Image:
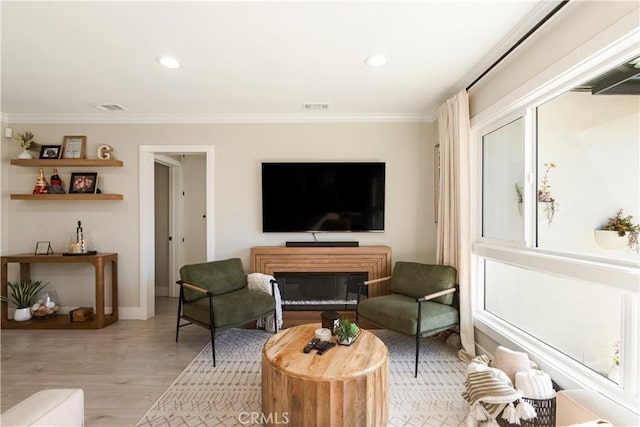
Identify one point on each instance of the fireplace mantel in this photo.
(375, 260)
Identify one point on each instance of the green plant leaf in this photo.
(23, 292)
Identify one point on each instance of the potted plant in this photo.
(346, 331)
(21, 295)
(612, 233)
(27, 144)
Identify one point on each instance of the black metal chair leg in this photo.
(275, 310)
(179, 312)
(212, 328)
(275, 321)
(415, 375)
(213, 345)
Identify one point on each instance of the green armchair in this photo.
(215, 295)
(420, 303)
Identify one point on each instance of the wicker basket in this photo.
(545, 410)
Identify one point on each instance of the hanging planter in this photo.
(609, 239)
(550, 205)
(619, 232)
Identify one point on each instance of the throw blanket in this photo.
(262, 282)
(535, 384)
(489, 392)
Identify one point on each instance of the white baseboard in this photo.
(130, 313)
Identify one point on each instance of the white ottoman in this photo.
(62, 407)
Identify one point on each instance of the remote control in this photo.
(326, 348)
(322, 345)
(311, 345)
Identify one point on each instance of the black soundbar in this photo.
(346, 244)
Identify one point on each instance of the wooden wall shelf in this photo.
(73, 196)
(66, 162)
(58, 163)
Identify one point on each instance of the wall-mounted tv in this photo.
(320, 196)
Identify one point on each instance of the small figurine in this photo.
(42, 186)
(56, 184)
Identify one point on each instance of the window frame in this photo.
(618, 274)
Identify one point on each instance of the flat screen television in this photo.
(320, 196)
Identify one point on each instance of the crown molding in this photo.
(127, 118)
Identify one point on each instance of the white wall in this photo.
(407, 149)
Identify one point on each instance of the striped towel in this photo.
(488, 392)
(535, 384)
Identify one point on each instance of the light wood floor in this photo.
(123, 368)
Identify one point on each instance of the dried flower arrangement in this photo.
(26, 141)
(544, 194)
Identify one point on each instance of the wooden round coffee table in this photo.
(346, 386)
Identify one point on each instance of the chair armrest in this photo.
(273, 282)
(366, 284)
(381, 279)
(436, 295)
(194, 288)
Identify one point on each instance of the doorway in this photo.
(147, 160)
(180, 234)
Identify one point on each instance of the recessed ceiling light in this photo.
(168, 61)
(376, 61)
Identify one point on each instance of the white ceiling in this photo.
(248, 61)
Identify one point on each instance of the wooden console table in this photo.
(346, 386)
(100, 319)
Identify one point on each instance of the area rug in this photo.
(230, 394)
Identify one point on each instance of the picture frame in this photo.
(83, 182)
(50, 151)
(74, 147)
(43, 248)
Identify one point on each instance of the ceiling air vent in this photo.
(110, 107)
(315, 106)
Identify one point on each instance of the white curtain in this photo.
(454, 215)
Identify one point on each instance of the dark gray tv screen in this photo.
(318, 197)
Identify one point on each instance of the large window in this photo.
(548, 281)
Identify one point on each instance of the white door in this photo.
(195, 209)
(162, 229)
